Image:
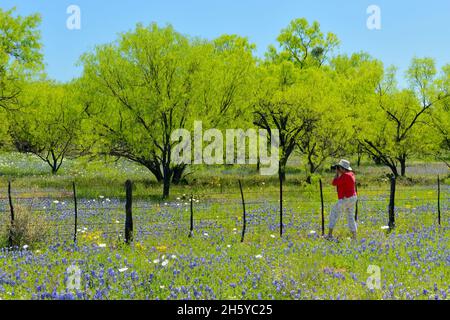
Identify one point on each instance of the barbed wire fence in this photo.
(259, 213)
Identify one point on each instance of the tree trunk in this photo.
(402, 161)
(166, 180)
(54, 164)
(360, 153)
(282, 169)
(177, 175)
(155, 169)
(394, 170)
(377, 160)
(311, 169)
(308, 178)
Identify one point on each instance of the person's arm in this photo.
(337, 179)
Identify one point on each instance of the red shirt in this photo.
(345, 185)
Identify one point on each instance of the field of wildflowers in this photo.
(163, 263)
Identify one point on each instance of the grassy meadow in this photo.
(163, 263)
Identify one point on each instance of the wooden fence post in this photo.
(322, 207)
(76, 213)
(128, 212)
(439, 200)
(244, 217)
(191, 228)
(11, 207)
(356, 205)
(392, 205)
(281, 201)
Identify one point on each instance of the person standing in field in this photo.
(345, 183)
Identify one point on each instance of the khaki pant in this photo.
(346, 205)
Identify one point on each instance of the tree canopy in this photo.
(134, 92)
(154, 80)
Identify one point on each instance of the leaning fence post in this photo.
(356, 205)
(392, 204)
(439, 199)
(191, 228)
(76, 212)
(244, 217)
(322, 207)
(128, 211)
(281, 201)
(11, 207)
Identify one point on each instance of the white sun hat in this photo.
(345, 164)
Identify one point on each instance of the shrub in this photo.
(28, 228)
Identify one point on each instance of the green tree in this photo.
(396, 128)
(19, 53)
(328, 129)
(439, 124)
(20, 58)
(154, 80)
(224, 83)
(356, 77)
(302, 46)
(47, 123)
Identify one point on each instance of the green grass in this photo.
(107, 176)
(214, 264)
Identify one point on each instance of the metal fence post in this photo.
(76, 213)
(439, 199)
(11, 207)
(244, 217)
(322, 207)
(128, 212)
(191, 228)
(392, 205)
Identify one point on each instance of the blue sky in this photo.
(409, 27)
